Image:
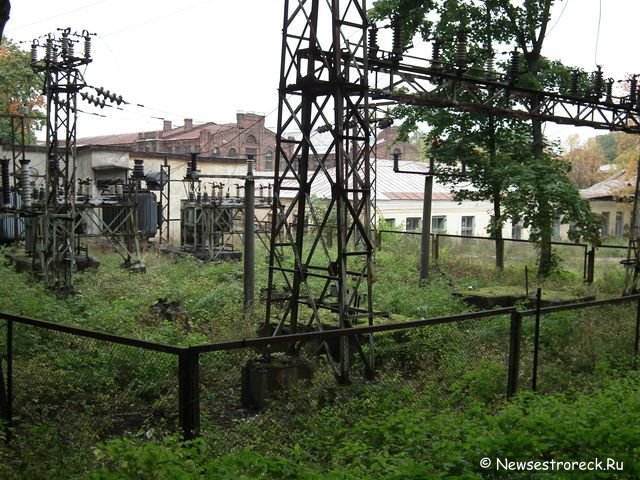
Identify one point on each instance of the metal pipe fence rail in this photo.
(94, 383)
(580, 258)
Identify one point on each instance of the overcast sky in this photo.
(206, 60)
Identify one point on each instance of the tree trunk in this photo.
(497, 231)
(545, 263)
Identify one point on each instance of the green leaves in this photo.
(19, 92)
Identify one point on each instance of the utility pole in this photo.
(249, 239)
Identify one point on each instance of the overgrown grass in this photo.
(429, 415)
(394, 434)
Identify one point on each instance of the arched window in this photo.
(268, 160)
(233, 153)
(215, 152)
(251, 140)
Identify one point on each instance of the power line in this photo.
(595, 54)
(62, 14)
(559, 17)
(153, 20)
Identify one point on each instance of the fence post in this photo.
(591, 263)
(515, 337)
(189, 393)
(436, 248)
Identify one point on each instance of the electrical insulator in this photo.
(373, 42)
(514, 66)
(461, 50)
(138, 169)
(633, 89)
(575, 79)
(99, 90)
(70, 50)
(49, 55)
(490, 65)
(25, 183)
(87, 46)
(609, 88)
(598, 82)
(6, 185)
(64, 41)
(435, 54)
(397, 48)
(34, 52)
(193, 164)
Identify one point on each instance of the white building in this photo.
(400, 198)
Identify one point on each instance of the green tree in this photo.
(494, 146)
(585, 160)
(20, 89)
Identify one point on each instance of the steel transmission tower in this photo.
(56, 227)
(323, 88)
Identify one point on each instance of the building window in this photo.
(466, 226)
(251, 140)
(619, 224)
(439, 224)
(268, 160)
(555, 233)
(391, 222)
(233, 153)
(215, 152)
(605, 224)
(516, 230)
(413, 224)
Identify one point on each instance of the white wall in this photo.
(400, 210)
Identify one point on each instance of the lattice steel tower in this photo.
(57, 223)
(323, 88)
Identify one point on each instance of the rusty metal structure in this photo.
(334, 77)
(55, 230)
(323, 87)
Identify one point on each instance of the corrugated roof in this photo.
(611, 187)
(389, 185)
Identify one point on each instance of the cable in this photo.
(595, 54)
(171, 14)
(56, 16)
(559, 17)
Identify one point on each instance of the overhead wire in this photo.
(62, 14)
(595, 54)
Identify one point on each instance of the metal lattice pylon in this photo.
(56, 229)
(323, 87)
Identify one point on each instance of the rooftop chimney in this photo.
(188, 123)
(166, 125)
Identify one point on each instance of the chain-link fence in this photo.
(481, 251)
(89, 385)
(578, 344)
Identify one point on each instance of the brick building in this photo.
(248, 135)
